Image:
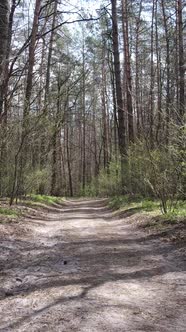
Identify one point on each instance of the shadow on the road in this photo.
(98, 260)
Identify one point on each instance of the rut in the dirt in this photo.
(78, 269)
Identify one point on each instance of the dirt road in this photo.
(77, 269)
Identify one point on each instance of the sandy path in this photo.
(79, 270)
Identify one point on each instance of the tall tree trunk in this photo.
(128, 79)
(4, 17)
(27, 100)
(31, 62)
(168, 96)
(104, 108)
(4, 21)
(181, 61)
(158, 76)
(50, 50)
(151, 93)
(119, 98)
(47, 81)
(69, 161)
(84, 121)
(113, 87)
(137, 86)
(7, 74)
(55, 183)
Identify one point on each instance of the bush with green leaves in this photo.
(37, 182)
(109, 181)
(158, 173)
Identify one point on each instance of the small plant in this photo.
(149, 205)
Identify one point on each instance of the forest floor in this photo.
(80, 268)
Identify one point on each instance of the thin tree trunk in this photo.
(84, 122)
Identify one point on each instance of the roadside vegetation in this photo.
(14, 212)
(148, 205)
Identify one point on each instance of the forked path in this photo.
(77, 269)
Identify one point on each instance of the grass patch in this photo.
(43, 199)
(170, 226)
(9, 212)
(128, 202)
(179, 212)
(148, 205)
(8, 215)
